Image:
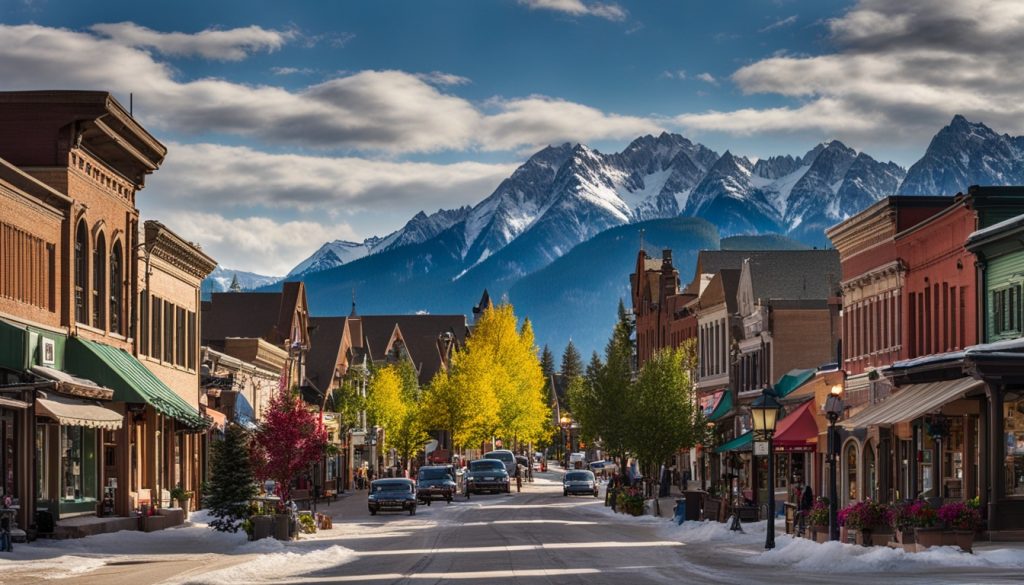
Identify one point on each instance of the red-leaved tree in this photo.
(290, 439)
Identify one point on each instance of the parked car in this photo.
(486, 475)
(394, 494)
(505, 456)
(436, 481)
(605, 466)
(579, 482)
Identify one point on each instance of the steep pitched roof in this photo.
(242, 314)
(326, 338)
(722, 288)
(378, 333)
(420, 334)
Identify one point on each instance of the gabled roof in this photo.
(379, 333)
(252, 314)
(722, 288)
(326, 338)
(421, 336)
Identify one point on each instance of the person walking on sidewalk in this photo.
(519, 478)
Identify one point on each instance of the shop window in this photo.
(78, 459)
(116, 288)
(851, 472)
(782, 470)
(8, 454)
(1013, 424)
(870, 472)
(42, 464)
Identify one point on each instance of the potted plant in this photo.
(817, 520)
(869, 520)
(631, 501)
(182, 496)
(963, 519)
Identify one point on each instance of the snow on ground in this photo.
(266, 559)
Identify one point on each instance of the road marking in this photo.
(518, 548)
(449, 576)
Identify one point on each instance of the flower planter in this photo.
(879, 536)
(282, 527)
(819, 533)
(964, 539)
(262, 526)
(711, 509)
(930, 536)
(906, 536)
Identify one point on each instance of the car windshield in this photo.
(485, 465)
(436, 473)
(578, 476)
(503, 456)
(391, 486)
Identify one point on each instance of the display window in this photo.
(1013, 425)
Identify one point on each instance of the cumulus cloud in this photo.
(579, 8)
(292, 70)
(257, 244)
(779, 24)
(229, 178)
(707, 78)
(389, 111)
(899, 70)
(222, 45)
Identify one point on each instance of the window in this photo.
(179, 334)
(1006, 310)
(99, 284)
(168, 332)
(78, 458)
(157, 335)
(192, 341)
(1013, 425)
(144, 323)
(81, 270)
(116, 288)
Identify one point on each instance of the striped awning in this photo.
(911, 402)
(73, 412)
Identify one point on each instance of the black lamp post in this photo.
(833, 409)
(563, 423)
(764, 413)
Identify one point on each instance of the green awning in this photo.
(792, 380)
(724, 406)
(13, 344)
(740, 443)
(130, 380)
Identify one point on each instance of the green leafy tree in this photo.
(611, 389)
(232, 482)
(661, 411)
(593, 368)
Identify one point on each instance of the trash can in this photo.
(680, 510)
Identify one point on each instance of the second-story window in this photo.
(116, 288)
(1006, 310)
(81, 271)
(99, 282)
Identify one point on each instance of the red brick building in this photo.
(665, 316)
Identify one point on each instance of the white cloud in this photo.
(707, 78)
(292, 70)
(222, 45)
(257, 244)
(899, 70)
(609, 11)
(442, 78)
(388, 111)
(678, 74)
(779, 24)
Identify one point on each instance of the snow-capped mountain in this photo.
(733, 198)
(964, 154)
(221, 278)
(420, 228)
(334, 254)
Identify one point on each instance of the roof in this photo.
(420, 333)
(722, 289)
(326, 335)
(795, 274)
(995, 231)
(378, 331)
(242, 314)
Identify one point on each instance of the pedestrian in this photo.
(807, 501)
(519, 478)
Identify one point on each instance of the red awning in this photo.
(798, 431)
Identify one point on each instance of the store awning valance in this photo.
(911, 402)
(723, 408)
(73, 412)
(740, 443)
(130, 380)
(69, 384)
(798, 431)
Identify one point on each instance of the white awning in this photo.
(78, 413)
(74, 385)
(911, 402)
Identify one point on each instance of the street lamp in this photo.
(765, 413)
(833, 410)
(563, 423)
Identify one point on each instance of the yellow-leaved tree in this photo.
(385, 404)
(460, 401)
(394, 403)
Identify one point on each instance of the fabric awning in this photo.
(911, 402)
(73, 412)
(723, 408)
(13, 403)
(130, 380)
(73, 385)
(220, 420)
(792, 380)
(740, 443)
(798, 431)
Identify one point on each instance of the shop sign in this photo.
(760, 447)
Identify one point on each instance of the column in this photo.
(995, 452)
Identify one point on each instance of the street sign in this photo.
(760, 447)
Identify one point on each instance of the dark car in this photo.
(436, 481)
(394, 494)
(486, 475)
(579, 482)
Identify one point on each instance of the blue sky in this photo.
(292, 123)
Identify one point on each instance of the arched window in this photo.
(851, 472)
(81, 271)
(116, 288)
(99, 283)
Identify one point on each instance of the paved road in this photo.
(535, 537)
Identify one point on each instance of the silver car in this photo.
(579, 482)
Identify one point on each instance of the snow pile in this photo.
(710, 531)
(272, 567)
(834, 557)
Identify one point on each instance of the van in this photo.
(506, 457)
(577, 460)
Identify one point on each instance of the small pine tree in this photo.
(572, 365)
(231, 484)
(547, 363)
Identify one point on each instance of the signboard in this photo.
(760, 447)
(431, 445)
(708, 402)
